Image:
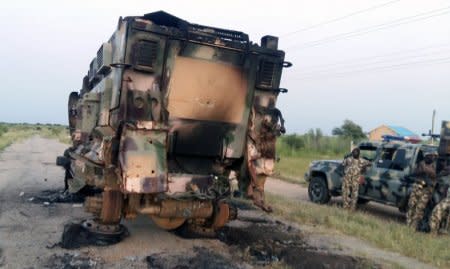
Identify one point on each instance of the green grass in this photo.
(293, 168)
(12, 136)
(387, 235)
(297, 151)
(10, 133)
(60, 133)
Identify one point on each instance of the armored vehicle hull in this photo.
(171, 117)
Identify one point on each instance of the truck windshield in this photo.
(393, 158)
(368, 153)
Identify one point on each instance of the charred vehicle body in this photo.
(170, 117)
(390, 178)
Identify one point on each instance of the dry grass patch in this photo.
(12, 136)
(388, 235)
(10, 133)
(293, 168)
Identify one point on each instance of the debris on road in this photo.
(56, 196)
(76, 235)
(71, 261)
(202, 258)
(272, 242)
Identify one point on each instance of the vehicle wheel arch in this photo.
(325, 176)
(315, 179)
(320, 174)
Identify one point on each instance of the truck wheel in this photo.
(318, 191)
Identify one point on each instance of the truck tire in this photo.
(318, 191)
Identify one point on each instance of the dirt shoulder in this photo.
(300, 193)
(322, 237)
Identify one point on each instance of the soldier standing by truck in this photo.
(442, 209)
(422, 189)
(353, 167)
(439, 212)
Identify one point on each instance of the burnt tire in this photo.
(75, 235)
(318, 191)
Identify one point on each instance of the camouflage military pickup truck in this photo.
(388, 180)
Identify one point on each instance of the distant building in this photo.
(377, 133)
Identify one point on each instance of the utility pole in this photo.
(432, 126)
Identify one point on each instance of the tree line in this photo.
(315, 142)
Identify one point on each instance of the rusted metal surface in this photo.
(112, 207)
(179, 209)
(187, 209)
(143, 161)
(168, 223)
(222, 215)
(93, 204)
(205, 90)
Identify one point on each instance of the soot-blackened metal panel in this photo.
(200, 138)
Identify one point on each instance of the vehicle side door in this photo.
(383, 182)
(370, 153)
(395, 184)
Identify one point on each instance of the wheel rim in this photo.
(316, 191)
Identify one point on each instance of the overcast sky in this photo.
(374, 62)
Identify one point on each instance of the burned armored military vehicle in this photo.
(170, 117)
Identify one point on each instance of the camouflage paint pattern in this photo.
(444, 141)
(418, 200)
(422, 192)
(440, 216)
(172, 110)
(384, 185)
(440, 213)
(353, 169)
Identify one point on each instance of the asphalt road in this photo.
(27, 229)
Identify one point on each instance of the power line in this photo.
(374, 28)
(378, 29)
(395, 53)
(409, 57)
(340, 18)
(380, 68)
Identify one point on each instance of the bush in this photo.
(312, 143)
(294, 141)
(3, 129)
(55, 131)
